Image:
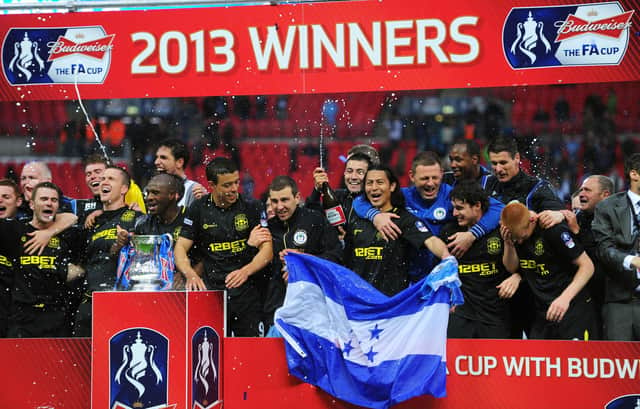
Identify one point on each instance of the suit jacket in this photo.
(612, 230)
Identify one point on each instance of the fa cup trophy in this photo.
(146, 264)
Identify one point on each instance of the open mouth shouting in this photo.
(48, 214)
(105, 191)
(376, 198)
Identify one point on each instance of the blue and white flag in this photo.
(360, 345)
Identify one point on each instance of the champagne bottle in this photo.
(332, 208)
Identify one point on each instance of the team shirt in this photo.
(546, 262)
(84, 207)
(221, 235)
(480, 270)
(39, 280)
(307, 231)
(384, 264)
(100, 265)
(435, 214)
(529, 190)
(152, 224)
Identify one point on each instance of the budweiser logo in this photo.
(609, 27)
(63, 47)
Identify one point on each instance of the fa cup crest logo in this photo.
(26, 58)
(138, 364)
(205, 345)
(62, 55)
(527, 37)
(591, 34)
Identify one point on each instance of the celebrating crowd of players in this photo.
(528, 266)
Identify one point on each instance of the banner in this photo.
(509, 374)
(380, 45)
(500, 374)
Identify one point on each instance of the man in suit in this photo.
(616, 227)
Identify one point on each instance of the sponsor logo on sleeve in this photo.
(567, 240)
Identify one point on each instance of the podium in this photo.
(157, 350)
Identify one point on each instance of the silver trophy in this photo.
(144, 274)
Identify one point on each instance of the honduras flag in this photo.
(360, 345)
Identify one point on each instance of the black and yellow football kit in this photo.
(100, 265)
(384, 264)
(546, 263)
(221, 235)
(39, 294)
(484, 314)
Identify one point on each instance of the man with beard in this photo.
(486, 284)
(101, 252)
(172, 157)
(223, 225)
(38, 306)
(428, 199)
(294, 229)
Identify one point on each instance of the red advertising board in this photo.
(54, 374)
(482, 374)
(377, 45)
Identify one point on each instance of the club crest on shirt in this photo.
(54, 243)
(494, 246)
(241, 222)
(538, 248)
(128, 216)
(440, 213)
(176, 233)
(300, 237)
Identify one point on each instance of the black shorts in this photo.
(244, 312)
(579, 323)
(463, 327)
(27, 321)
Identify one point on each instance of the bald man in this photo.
(35, 172)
